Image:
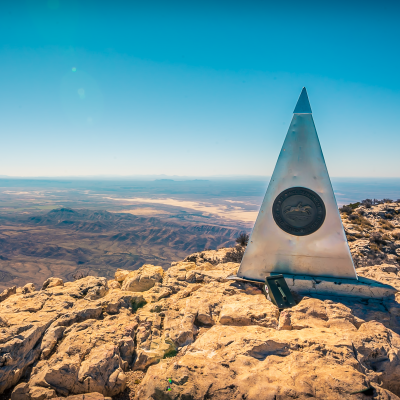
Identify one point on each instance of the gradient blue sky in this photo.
(195, 88)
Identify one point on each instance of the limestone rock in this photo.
(6, 293)
(113, 284)
(242, 310)
(121, 274)
(203, 336)
(384, 273)
(91, 357)
(41, 393)
(152, 345)
(143, 279)
(86, 396)
(32, 325)
(182, 273)
(20, 392)
(156, 293)
(28, 288)
(52, 282)
(315, 313)
(236, 363)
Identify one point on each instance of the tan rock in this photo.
(87, 396)
(50, 339)
(143, 279)
(182, 273)
(230, 362)
(378, 351)
(244, 310)
(384, 273)
(121, 274)
(315, 313)
(212, 304)
(33, 323)
(21, 392)
(6, 293)
(152, 345)
(52, 282)
(107, 346)
(28, 288)
(113, 284)
(41, 393)
(156, 293)
(213, 338)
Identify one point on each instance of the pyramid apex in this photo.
(303, 104)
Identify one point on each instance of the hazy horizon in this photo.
(198, 177)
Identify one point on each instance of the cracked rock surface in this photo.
(189, 333)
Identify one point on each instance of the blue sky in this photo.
(195, 88)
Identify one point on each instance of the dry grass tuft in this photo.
(386, 225)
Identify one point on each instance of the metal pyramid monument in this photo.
(298, 230)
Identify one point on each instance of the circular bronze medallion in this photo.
(299, 211)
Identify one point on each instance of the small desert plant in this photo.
(171, 353)
(235, 255)
(386, 237)
(346, 209)
(242, 239)
(360, 220)
(387, 201)
(377, 238)
(367, 203)
(374, 247)
(386, 225)
(136, 304)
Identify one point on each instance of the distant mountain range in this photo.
(64, 241)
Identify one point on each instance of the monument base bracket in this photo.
(313, 285)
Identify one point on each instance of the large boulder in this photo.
(143, 279)
(28, 288)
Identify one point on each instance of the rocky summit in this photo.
(189, 333)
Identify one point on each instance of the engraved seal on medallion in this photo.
(299, 211)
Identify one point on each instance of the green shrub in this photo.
(171, 353)
(242, 239)
(234, 255)
(138, 304)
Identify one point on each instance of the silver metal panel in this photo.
(303, 104)
(324, 253)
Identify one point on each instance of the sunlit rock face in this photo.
(189, 333)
